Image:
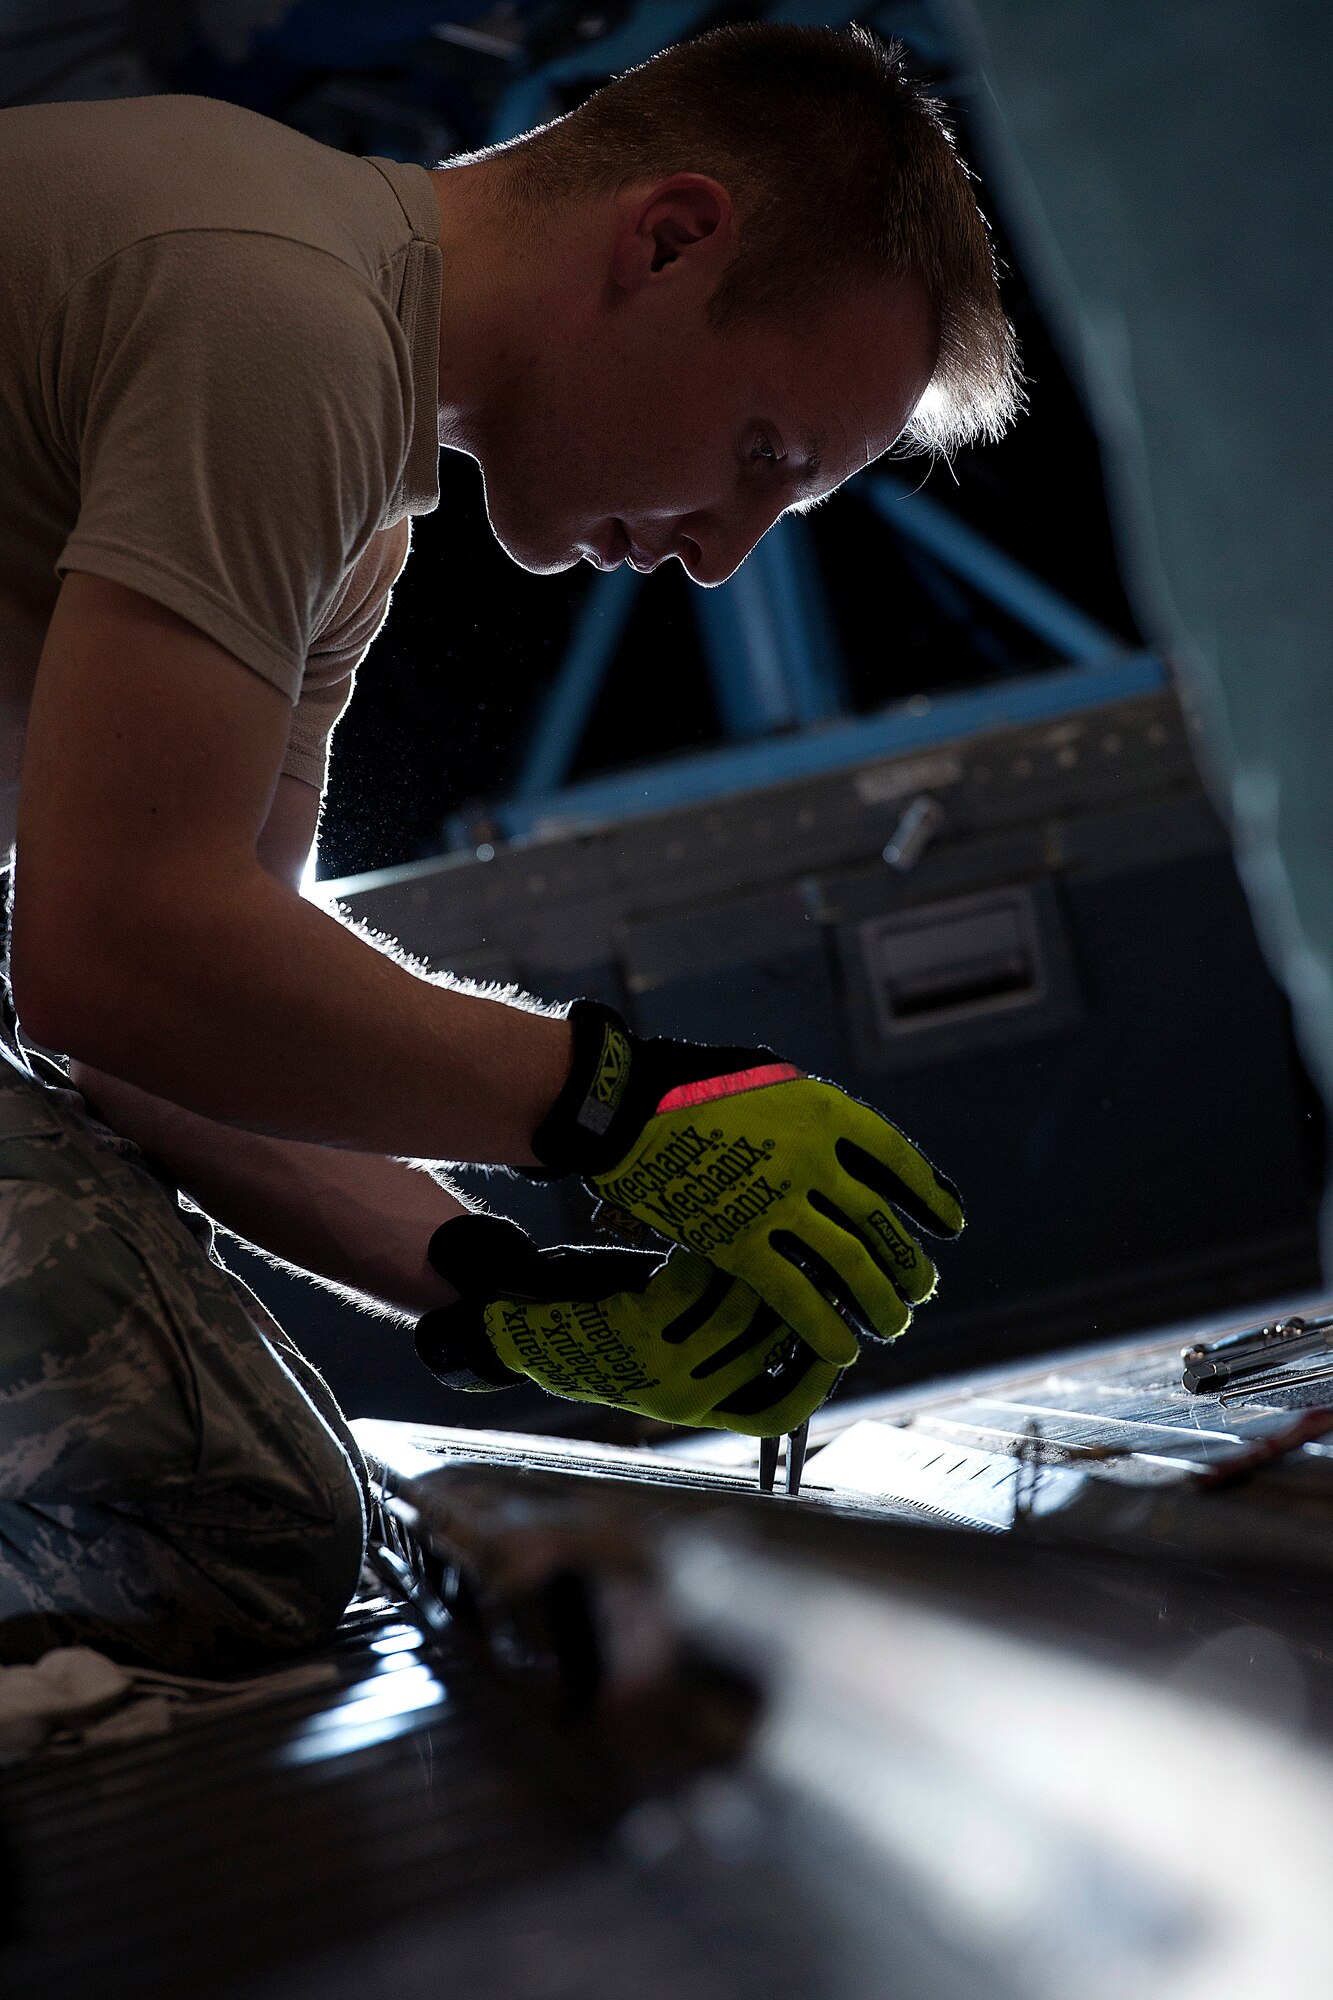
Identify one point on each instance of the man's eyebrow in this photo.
(812, 447)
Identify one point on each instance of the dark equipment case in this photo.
(1051, 983)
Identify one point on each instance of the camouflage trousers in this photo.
(177, 1484)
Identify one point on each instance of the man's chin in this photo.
(540, 555)
(541, 565)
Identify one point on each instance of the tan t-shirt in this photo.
(218, 356)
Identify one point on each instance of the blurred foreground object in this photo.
(993, 1708)
(1167, 175)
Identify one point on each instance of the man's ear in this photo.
(685, 224)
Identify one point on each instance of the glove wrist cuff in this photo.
(617, 1080)
(575, 1137)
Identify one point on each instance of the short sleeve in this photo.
(313, 722)
(239, 407)
(354, 618)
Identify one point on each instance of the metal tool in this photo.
(1252, 1387)
(768, 1459)
(796, 1443)
(1210, 1366)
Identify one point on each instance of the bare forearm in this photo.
(148, 940)
(238, 1000)
(357, 1219)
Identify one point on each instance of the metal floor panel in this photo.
(188, 1862)
(1120, 1411)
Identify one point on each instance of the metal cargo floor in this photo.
(438, 1819)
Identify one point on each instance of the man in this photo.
(228, 359)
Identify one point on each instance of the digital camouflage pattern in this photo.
(177, 1484)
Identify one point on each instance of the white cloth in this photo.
(75, 1696)
(69, 1686)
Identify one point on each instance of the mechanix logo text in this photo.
(576, 1351)
(696, 1192)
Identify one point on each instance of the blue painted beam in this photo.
(815, 672)
(908, 726)
(769, 639)
(744, 653)
(969, 555)
(573, 694)
(530, 100)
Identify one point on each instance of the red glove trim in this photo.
(686, 1095)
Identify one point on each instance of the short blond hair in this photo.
(844, 170)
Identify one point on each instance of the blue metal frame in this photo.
(970, 556)
(775, 664)
(770, 641)
(907, 726)
(573, 694)
(530, 100)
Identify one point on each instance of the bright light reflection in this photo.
(398, 1639)
(374, 1711)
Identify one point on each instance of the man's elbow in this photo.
(54, 1013)
(69, 993)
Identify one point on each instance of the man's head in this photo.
(756, 263)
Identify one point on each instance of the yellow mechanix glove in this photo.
(776, 1177)
(671, 1338)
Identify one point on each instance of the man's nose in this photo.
(712, 549)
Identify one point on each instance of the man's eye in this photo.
(765, 451)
